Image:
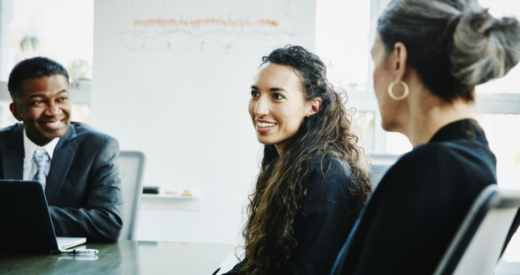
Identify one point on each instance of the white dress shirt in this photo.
(30, 168)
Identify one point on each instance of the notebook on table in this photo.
(25, 221)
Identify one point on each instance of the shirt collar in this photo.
(30, 147)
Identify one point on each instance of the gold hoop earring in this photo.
(403, 96)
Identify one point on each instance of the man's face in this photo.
(43, 106)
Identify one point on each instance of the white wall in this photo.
(179, 93)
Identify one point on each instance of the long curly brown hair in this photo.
(281, 185)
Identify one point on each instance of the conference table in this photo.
(123, 257)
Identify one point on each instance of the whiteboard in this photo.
(171, 79)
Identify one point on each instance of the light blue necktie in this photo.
(42, 161)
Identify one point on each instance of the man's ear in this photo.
(400, 55)
(15, 111)
(315, 106)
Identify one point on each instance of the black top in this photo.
(323, 223)
(419, 205)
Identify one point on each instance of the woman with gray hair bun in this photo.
(429, 55)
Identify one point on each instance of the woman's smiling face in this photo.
(277, 106)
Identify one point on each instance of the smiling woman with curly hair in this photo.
(313, 180)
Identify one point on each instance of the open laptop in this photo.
(25, 222)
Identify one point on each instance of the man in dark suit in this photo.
(76, 165)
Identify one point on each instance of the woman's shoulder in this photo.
(446, 154)
(328, 176)
(443, 163)
(328, 165)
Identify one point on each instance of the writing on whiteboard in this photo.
(211, 33)
(198, 23)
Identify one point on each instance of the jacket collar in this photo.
(461, 129)
(60, 165)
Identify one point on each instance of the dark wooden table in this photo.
(124, 257)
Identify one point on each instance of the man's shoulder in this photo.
(5, 133)
(87, 142)
(86, 132)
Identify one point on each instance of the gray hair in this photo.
(453, 44)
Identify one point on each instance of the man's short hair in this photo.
(33, 68)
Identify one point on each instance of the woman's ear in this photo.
(400, 55)
(315, 106)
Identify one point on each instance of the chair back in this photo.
(377, 171)
(131, 165)
(227, 265)
(478, 244)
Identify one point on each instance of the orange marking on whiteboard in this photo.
(198, 23)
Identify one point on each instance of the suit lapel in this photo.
(60, 165)
(12, 162)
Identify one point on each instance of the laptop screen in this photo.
(25, 222)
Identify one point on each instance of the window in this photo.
(342, 41)
(59, 29)
(503, 140)
(344, 34)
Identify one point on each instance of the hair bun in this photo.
(483, 47)
(482, 22)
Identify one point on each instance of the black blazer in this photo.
(83, 186)
(419, 205)
(324, 220)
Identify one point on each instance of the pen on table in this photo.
(78, 251)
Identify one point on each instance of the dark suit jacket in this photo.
(323, 222)
(413, 215)
(83, 186)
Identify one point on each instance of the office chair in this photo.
(131, 165)
(377, 172)
(477, 246)
(227, 264)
